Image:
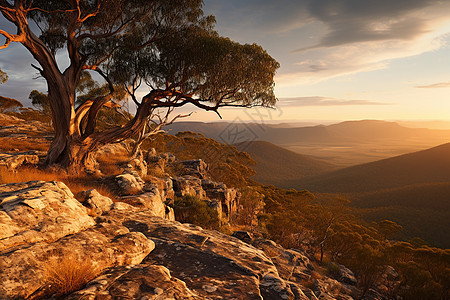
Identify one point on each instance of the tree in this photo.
(3, 77)
(168, 45)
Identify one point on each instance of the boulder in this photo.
(149, 200)
(14, 160)
(129, 183)
(38, 211)
(41, 222)
(345, 275)
(112, 150)
(96, 203)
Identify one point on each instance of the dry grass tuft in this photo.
(75, 184)
(68, 274)
(110, 165)
(10, 144)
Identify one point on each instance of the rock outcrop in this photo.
(14, 160)
(139, 255)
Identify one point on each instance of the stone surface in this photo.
(96, 203)
(42, 222)
(37, 211)
(14, 160)
(195, 167)
(135, 282)
(188, 185)
(24, 269)
(213, 265)
(130, 183)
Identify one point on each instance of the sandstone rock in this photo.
(326, 288)
(96, 203)
(37, 211)
(112, 150)
(24, 270)
(244, 236)
(42, 222)
(130, 183)
(150, 200)
(139, 164)
(213, 265)
(14, 160)
(188, 185)
(288, 262)
(195, 167)
(345, 275)
(135, 282)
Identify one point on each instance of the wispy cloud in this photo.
(323, 101)
(434, 85)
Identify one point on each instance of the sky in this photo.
(340, 59)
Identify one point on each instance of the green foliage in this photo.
(40, 101)
(191, 209)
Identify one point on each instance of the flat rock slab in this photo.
(135, 282)
(104, 246)
(213, 265)
(38, 211)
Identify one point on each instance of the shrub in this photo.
(191, 209)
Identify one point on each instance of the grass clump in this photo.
(65, 275)
(76, 184)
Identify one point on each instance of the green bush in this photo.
(191, 209)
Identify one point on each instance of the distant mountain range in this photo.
(279, 134)
(343, 144)
(277, 166)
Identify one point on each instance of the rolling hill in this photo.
(431, 165)
(276, 165)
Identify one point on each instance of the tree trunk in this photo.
(61, 96)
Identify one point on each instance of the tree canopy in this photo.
(3, 77)
(169, 46)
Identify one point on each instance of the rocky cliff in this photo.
(137, 254)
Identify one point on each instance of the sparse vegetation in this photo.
(190, 209)
(67, 274)
(76, 184)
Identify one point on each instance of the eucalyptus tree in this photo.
(169, 45)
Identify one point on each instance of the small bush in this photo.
(190, 209)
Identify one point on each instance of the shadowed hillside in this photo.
(431, 165)
(276, 165)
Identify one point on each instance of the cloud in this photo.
(353, 21)
(435, 85)
(323, 101)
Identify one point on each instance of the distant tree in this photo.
(169, 45)
(3, 77)
(388, 228)
(40, 101)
